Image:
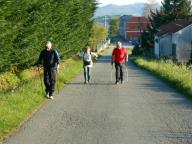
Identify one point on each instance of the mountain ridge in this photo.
(135, 9)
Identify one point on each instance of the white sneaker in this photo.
(47, 95)
(51, 97)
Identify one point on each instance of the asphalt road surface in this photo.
(143, 111)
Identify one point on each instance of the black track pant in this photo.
(49, 80)
(119, 72)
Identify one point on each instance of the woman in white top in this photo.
(87, 63)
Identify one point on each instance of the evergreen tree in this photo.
(26, 25)
(186, 9)
(169, 11)
(114, 26)
(176, 9)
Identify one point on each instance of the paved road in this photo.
(142, 111)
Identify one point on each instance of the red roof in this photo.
(174, 26)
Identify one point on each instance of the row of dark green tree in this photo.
(25, 26)
(169, 11)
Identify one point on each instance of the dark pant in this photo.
(87, 71)
(119, 72)
(49, 80)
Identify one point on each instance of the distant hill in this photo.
(132, 9)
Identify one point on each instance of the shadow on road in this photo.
(97, 83)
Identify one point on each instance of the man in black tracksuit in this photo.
(50, 60)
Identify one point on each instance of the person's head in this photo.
(87, 49)
(119, 44)
(48, 45)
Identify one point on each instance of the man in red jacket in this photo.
(119, 56)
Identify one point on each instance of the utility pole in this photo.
(105, 19)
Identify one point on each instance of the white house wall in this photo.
(165, 46)
(183, 41)
(156, 49)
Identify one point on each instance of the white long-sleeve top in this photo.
(88, 57)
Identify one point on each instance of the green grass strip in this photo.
(179, 77)
(16, 106)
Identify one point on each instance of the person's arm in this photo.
(81, 54)
(126, 55)
(113, 57)
(58, 60)
(94, 54)
(39, 61)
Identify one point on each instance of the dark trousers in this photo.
(119, 72)
(87, 71)
(49, 80)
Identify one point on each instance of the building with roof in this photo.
(131, 28)
(123, 23)
(174, 40)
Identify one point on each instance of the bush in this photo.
(8, 80)
(137, 51)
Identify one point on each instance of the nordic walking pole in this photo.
(112, 62)
(57, 73)
(40, 79)
(111, 72)
(127, 70)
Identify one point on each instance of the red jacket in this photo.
(119, 55)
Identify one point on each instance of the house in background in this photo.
(123, 22)
(175, 40)
(135, 27)
(131, 28)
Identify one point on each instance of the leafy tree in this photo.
(169, 11)
(114, 27)
(99, 34)
(176, 9)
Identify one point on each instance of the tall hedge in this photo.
(25, 26)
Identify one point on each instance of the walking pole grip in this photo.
(126, 65)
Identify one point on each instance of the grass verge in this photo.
(17, 105)
(179, 77)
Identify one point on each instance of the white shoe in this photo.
(51, 97)
(47, 95)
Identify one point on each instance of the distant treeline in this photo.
(25, 26)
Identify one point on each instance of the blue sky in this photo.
(121, 2)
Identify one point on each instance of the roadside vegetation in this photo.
(179, 76)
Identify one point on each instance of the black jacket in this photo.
(49, 59)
